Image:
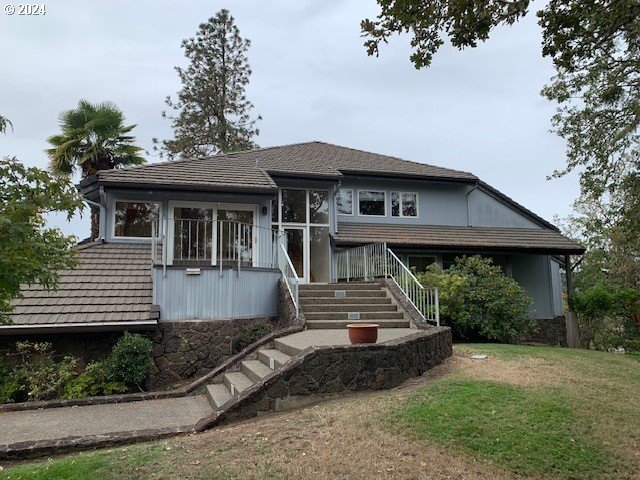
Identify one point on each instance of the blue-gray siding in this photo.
(251, 293)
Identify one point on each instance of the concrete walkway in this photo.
(335, 337)
(56, 423)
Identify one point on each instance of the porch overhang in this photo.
(458, 238)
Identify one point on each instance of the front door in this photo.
(297, 244)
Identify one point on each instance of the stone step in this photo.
(342, 286)
(273, 358)
(349, 307)
(285, 348)
(255, 369)
(348, 293)
(218, 395)
(333, 324)
(236, 382)
(345, 315)
(347, 301)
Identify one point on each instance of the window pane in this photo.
(371, 203)
(235, 237)
(395, 204)
(318, 206)
(409, 205)
(319, 254)
(294, 206)
(344, 202)
(295, 248)
(193, 234)
(274, 210)
(134, 219)
(420, 263)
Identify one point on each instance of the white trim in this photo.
(125, 200)
(401, 215)
(352, 202)
(373, 191)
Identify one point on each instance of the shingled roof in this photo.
(110, 288)
(252, 170)
(533, 240)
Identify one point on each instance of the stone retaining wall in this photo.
(322, 371)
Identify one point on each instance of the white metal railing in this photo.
(375, 260)
(290, 276)
(222, 243)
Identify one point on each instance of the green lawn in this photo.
(526, 412)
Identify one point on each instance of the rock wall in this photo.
(550, 331)
(322, 371)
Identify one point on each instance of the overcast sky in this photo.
(477, 110)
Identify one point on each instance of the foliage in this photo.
(93, 137)
(5, 123)
(609, 319)
(130, 359)
(95, 380)
(593, 46)
(41, 377)
(30, 253)
(212, 113)
(9, 384)
(519, 428)
(247, 337)
(480, 300)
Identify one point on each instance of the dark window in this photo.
(371, 203)
(404, 204)
(135, 219)
(294, 206)
(318, 206)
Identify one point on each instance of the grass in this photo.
(527, 430)
(525, 412)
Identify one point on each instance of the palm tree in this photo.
(93, 138)
(5, 123)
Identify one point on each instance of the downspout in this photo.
(91, 203)
(475, 187)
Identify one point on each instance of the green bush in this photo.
(480, 301)
(130, 359)
(93, 381)
(609, 318)
(9, 384)
(40, 376)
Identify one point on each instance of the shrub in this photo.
(247, 337)
(130, 359)
(609, 318)
(40, 376)
(9, 384)
(93, 381)
(480, 301)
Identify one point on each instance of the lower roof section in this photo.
(456, 238)
(110, 288)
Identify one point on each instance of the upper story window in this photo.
(318, 206)
(344, 202)
(404, 204)
(135, 219)
(372, 203)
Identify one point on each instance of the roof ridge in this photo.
(413, 162)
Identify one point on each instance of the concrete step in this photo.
(347, 301)
(236, 382)
(333, 324)
(345, 315)
(349, 307)
(369, 293)
(273, 358)
(289, 350)
(342, 286)
(255, 369)
(218, 395)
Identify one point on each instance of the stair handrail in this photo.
(290, 276)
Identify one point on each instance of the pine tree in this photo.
(212, 113)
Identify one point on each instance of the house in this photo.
(197, 245)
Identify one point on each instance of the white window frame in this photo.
(127, 200)
(215, 206)
(401, 215)
(386, 203)
(352, 202)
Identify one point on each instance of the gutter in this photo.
(101, 219)
(77, 327)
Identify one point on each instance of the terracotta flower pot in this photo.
(363, 332)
